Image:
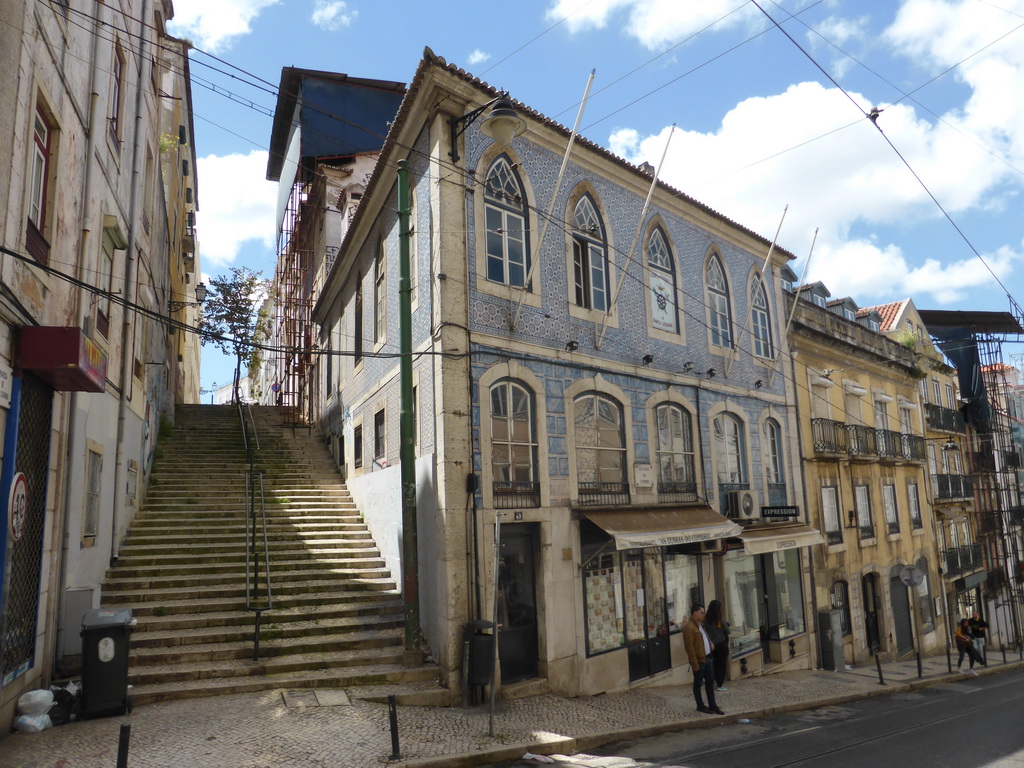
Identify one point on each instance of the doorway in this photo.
(517, 603)
(901, 620)
(643, 582)
(869, 588)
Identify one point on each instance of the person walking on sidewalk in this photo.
(698, 652)
(718, 633)
(965, 645)
(978, 629)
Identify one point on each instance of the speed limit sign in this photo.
(18, 505)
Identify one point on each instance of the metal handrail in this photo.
(256, 559)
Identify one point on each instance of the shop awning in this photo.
(65, 358)
(775, 538)
(638, 528)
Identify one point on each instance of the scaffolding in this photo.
(293, 306)
(973, 341)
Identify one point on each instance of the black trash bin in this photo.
(481, 651)
(105, 633)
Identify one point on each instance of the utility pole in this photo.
(407, 449)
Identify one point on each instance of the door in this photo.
(901, 620)
(643, 582)
(517, 603)
(869, 588)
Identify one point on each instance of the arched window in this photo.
(718, 303)
(676, 477)
(600, 449)
(513, 446)
(730, 450)
(589, 259)
(662, 278)
(774, 463)
(840, 597)
(505, 219)
(759, 318)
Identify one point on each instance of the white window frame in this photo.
(892, 515)
(506, 222)
(716, 288)
(591, 273)
(760, 320)
(662, 290)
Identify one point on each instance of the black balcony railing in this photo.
(913, 447)
(867, 531)
(834, 537)
(829, 436)
(942, 419)
(602, 494)
(515, 495)
(960, 560)
(684, 492)
(889, 443)
(861, 440)
(953, 487)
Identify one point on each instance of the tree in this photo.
(231, 318)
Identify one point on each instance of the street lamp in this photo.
(200, 298)
(502, 124)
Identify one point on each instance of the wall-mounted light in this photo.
(572, 345)
(647, 359)
(502, 124)
(200, 298)
(758, 384)
(710, 373)
(950, 446)
(851, 519)
(687, 366)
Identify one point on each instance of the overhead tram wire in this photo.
(888, 141)
(272, 90)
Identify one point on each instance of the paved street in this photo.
(325, 729)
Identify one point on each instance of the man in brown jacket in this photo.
(698, 651)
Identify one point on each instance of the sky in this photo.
(771, 105)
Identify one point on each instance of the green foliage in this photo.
(160, 610)
(168, 142)
(906, 337)
(231, 318)
(165, 428)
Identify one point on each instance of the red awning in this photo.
(65, 358)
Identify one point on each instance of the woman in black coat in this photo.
(717, 629)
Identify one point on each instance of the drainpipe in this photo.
(127, 337)
(407, 450)
(94, 129)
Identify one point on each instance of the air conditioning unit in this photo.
(714, 546)
(742, 505)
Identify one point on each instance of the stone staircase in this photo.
(337, 615)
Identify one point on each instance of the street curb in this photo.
(570, 745)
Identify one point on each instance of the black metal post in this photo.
(393, 717)
(256, 637)
(122, 745)
(878, 666)
(949, 660)
(1003, 648)
(920, 674)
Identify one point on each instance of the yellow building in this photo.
(864, 453)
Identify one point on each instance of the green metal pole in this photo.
(407, 450)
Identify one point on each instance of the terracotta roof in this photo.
(888, 313)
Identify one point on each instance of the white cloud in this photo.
(332, 15)
(212, 26)
(656, 24)
(477, 57)
(237, 204)
(808, 148)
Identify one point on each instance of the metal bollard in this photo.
(878, 665)
(920, 674)
(122, 745)
(393, 717)
(949, 660)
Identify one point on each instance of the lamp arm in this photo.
(458, 125)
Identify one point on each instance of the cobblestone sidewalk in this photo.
(327, 729)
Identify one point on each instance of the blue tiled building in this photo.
(601, 382)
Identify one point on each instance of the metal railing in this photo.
(829, 436)
(861, 440)
(913, 447)
(600, 494)
(943, 419)
(257, 551)
(681, 492)
(953, 487)
(515, 495)
(889, 444)
(960, 560)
